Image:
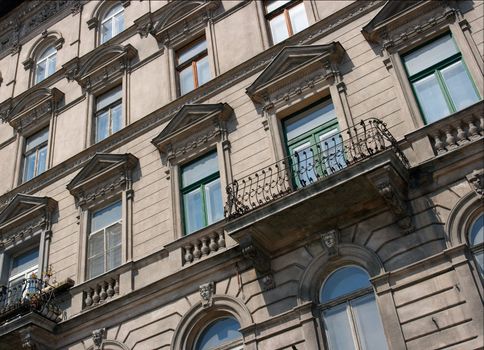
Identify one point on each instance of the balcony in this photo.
(283, 203)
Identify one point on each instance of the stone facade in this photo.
(398, 201)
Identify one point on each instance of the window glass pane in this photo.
(308, 120)
(480, 262)
(218, 333)
(273, 5)
(36, 139)
(96, 244)
(459, 85)
(114, 10)
(338, 329)
(187, 82)
(344, 281)
(213, 198)
(106, 216)
(118, 23)
(109, 97)
(368, 323)
(95, 266)
(189, 52)
(106, 31)
(51, 65)
(117, 118)
(113, 258)
(199, 169)
(304, 167)
(25, 261)
(193, 205)
(332, 151)
(299, 20)
(40, 71)
(102, 126)
(476, 233)
(429, 55)
(431, 99)
(48, 51)
(42, 160)
(29, 167)
(278, 29)
(203, 70)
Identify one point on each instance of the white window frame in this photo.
(25, 154)
(111, 18)
(46, 59)
(96, 113)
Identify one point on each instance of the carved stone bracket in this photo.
(330, 241)
(393, 190)
(260, 260)
(98, 336)
(207, 291)
(476, 180)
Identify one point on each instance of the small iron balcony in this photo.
(305, 168)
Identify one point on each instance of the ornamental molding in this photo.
(51, 37)
(330, 241)
(400, 21)
(393, 189)
(191, 127)
(260, 260)
(293, 69)
(103, 175)
(207, 291)
(24, 216)
(172, 23)
(213, 87)
(31, 108)
(101, 66)
(476, 180)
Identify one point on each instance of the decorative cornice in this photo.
(208, 90)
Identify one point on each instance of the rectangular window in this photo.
(439, 78)
(35, 155)
(23, 267)
(285, 18)
(109, 113)
(104, 242)
(201, 193)
(313, 143)
(192, 66)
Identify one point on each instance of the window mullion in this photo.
(204, 204)
(445, 91)
(288, 22)
(105, 258)
(195, 73)
(354, 329)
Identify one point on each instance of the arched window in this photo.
(350, 314)
(112, 23)
(476, 242)
(222, 333)
(45, 64)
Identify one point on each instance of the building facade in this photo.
(241, 175)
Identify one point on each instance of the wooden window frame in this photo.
(44, 144)
(109, 108)
(192, 61)
(284, 11)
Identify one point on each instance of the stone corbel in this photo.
(207, 291)
(98, 336)
(92, 23)
(392, 188)
(330, 242)
(260, 260)
(28, 63)
(476, 180)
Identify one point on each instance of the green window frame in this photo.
(444, 86)
(316, 152)
(201, 193)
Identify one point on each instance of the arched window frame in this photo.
(98, 17)
(478, 247)
(48, 39)
(232, 345)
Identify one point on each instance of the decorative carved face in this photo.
(329, 239)
(97, 337)
(205, 291)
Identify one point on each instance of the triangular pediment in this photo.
(189, 117)
(23, 205)
(292, 63)
(100, 167)
(395, 14)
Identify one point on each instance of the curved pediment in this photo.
(293, 63)
(103, 55)
(30, 107)
(103, 173)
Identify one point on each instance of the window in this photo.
(35, 155)
(104, 242)
(45, 65)
(113, 23)
(313, 143)
(221, 334)
(476, 242)
(285, 18)
(350, 314)
(201, 193)
(23, 267)
(439, 78)
(109, 114)
(192, 66)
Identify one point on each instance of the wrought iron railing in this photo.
(309, 165)
(31, 294)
